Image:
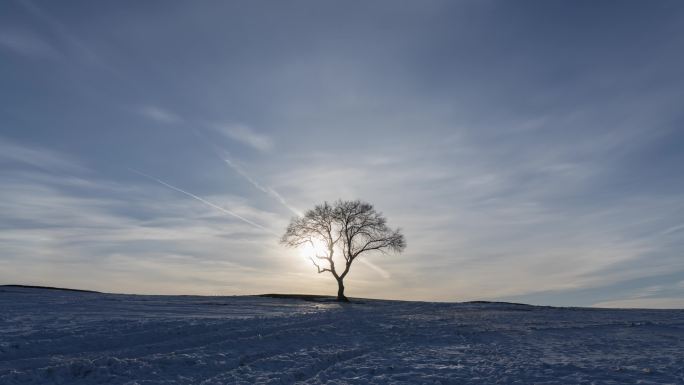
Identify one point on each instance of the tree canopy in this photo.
(342, 232)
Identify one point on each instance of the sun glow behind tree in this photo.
(335, 235)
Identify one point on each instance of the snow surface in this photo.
(49, 336)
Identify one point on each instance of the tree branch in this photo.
(318, 267)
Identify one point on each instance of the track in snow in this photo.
(49, 336)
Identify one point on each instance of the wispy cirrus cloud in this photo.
(489, 223)
(26, 43)
(160, 115)
(241, 134)
(36, 156)
(246, 135)
(101, 234)
(70, 43)
(510, 181)
(71, 224)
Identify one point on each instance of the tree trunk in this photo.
(340, 291)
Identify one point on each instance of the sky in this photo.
(530, 151)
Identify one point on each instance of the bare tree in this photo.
(350, 227)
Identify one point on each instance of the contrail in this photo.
(206, 202)
(377, 268)
(267, 190)
(673, 229)
(373, 266)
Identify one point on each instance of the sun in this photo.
(310, 250)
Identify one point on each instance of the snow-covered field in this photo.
(49, 336)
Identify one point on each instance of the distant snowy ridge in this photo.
(47, 288)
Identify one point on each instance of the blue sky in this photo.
(531, 150)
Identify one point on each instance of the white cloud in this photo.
(247, 136)
(517, 244)
(134, 239)
(472, 235)
(69, 231)
(38, 157)
(160, 115)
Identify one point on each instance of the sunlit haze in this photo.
(530, 151)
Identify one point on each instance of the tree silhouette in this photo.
(351, 228)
